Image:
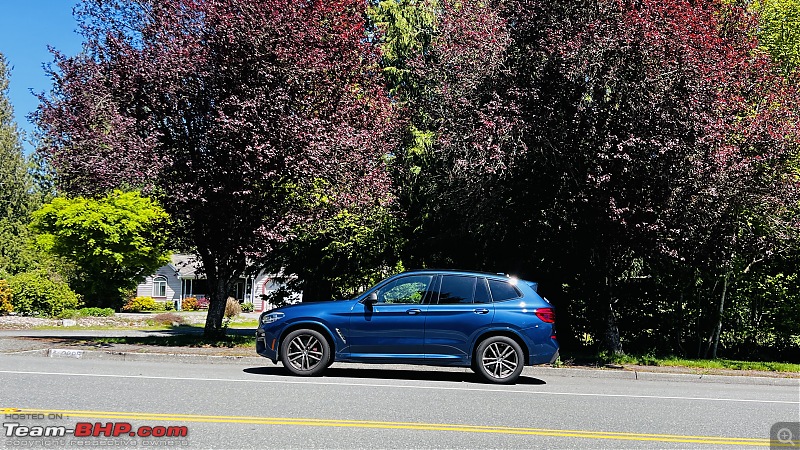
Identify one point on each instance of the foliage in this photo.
(779, 31)
(335, 257)
(139, 304)
(231, 110)
(114, 241)
(41, 293)
(95, 312)
(18, 197)
(247, 307)
(85, 312)
(592, 144)
(190, 304)
(232, 308)
(5, 298)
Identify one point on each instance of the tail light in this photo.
(546, 315)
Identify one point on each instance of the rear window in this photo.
(456, 289)
(502, 291)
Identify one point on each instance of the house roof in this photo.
(186, 266)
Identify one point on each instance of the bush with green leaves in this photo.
(139, 304)
(247, 307)
(5, 298)
(95, 312)
(41, 293)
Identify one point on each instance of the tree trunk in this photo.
(718, 329)
(611, 339)
(216, 309)
(713, 340)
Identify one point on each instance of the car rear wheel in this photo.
(499, 359)
(305, 352)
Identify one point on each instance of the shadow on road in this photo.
(394, 374)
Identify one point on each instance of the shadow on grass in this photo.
(181, 336)
(424, 374)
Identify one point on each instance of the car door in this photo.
(393, 329)
(461, 309)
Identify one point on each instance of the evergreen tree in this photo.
(16, 187)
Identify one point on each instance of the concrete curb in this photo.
(638, 375)
(135, 356)
(537, 371)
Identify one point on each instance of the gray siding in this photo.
(145, 288)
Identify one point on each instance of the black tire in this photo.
(305, 353)
(499, 359)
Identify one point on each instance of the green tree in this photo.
(114, 241)
(17, 199)
(779, 31)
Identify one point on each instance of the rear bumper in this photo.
(544, 353)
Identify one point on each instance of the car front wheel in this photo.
(499, 359)
(305, 353)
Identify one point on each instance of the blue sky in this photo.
(27, 27)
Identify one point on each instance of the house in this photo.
(182, 278)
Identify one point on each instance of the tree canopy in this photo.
(638, 157)
(595, 144)
(239, 115)
(114, 241)
(16, 187)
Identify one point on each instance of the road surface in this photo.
(247, 405)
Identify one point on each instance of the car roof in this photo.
(459, 272)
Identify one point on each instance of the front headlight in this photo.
(271, 317)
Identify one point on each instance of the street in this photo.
(246, 405)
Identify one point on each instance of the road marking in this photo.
(417, 387)
(292, 421)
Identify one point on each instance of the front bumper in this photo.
(266, 345)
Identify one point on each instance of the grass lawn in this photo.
(710, 364)
(181, 340)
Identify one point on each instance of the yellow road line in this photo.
(587, 434)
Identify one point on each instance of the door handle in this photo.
(480, 311)
(414, 311)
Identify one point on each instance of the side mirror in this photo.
(371, 299)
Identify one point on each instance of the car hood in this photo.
(311, 308)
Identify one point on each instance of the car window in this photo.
(502, 290)
(405, 290)
(456, 289)
(482, 292)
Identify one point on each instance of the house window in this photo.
(160, 286)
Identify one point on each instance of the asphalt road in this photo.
(246, 405)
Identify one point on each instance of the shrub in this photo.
(95, 312)
(202, 303)
(167, 319)
(139, 304)
(232, 308)
(247, 307)
(67, 314)
(190, 304)
(5, 298)
(38, 293)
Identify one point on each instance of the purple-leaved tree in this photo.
(243, 117)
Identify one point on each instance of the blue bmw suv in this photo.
(492, 323)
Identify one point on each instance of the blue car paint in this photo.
(433, 334)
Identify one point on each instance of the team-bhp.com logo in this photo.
(97, 429)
